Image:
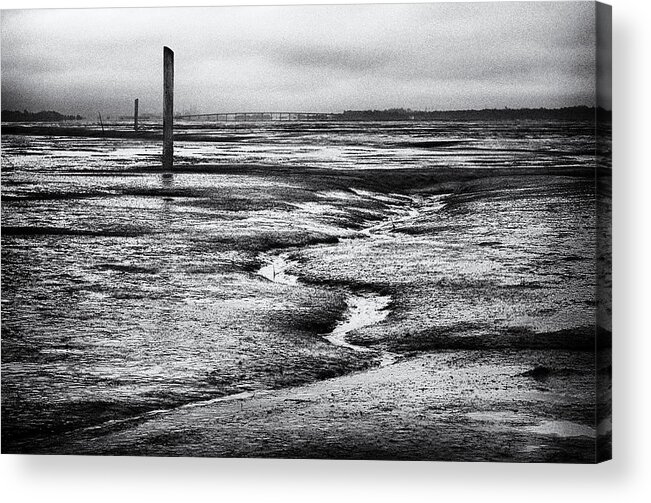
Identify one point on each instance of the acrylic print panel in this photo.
(346, 231)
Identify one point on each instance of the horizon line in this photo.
(377, 110)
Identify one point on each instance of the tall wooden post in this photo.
(168, 108)
(135, 115)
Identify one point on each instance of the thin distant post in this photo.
(168, 108)
(100, 122)
(135, 115)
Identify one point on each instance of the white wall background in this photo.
(94, 479)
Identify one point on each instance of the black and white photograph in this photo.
(344, 232)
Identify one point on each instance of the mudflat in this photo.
(362, 299)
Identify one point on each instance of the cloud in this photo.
(339, 59)
(310, 58)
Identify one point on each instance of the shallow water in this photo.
(363, 309)
(386, 145)
(276, 271)
(508, 420)
(563, 429)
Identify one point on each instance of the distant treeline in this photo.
(567, 113)
(392, 114)
(44, 116)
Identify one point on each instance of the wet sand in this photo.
(456, 406)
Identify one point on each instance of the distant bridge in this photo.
(259, 116)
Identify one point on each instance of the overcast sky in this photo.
(301, 58)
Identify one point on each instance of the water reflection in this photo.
(167, 180)
(165, 317)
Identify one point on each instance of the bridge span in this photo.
(258, 116)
